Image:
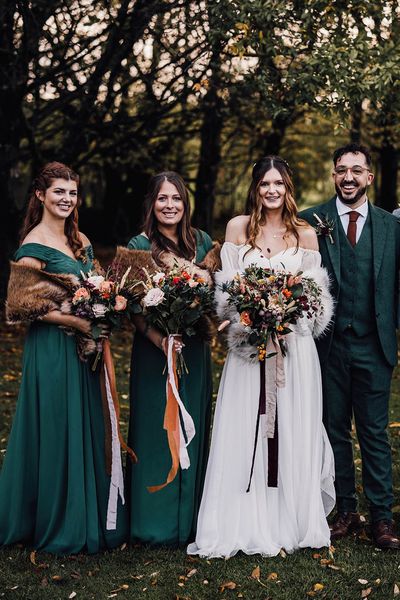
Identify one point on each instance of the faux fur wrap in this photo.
(142, 259)
(32, 293)
(139, 259)
(237, 333)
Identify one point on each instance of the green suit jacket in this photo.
(385, 264)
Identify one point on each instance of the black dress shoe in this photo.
(344, 524)
(384, 535)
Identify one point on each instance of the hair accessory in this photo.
(273, 158)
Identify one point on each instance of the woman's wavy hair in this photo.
(186, 246)
(34, 212)
(254, 205)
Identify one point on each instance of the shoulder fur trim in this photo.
(136, 259)
(323, 321)
(142, 259)
(32, 293)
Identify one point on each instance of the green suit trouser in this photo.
(356, 382)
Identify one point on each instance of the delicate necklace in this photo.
(280, 234)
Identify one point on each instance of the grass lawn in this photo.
(353, 569)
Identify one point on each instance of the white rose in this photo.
(96, 280)
(158, 277)
(192, 283)
(154, 297)
(99, 310)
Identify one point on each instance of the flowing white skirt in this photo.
(264, 520)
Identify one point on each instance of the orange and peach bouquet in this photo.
(175, 301)
(268, 302)
(105, 300)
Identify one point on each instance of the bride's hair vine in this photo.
(268, 161)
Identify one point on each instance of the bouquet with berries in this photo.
(176, 301)
(268, 302)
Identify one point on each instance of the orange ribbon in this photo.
(109, 365)
(171, 425)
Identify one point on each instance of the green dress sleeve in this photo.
(33, 250)
(204, 244)
(139, 242)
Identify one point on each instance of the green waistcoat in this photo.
(355, 308)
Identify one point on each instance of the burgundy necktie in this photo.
(352, 227)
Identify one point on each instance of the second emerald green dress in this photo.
(168, 516)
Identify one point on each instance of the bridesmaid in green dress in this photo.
(169, 515)
(53, 484)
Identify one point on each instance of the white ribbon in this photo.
(186, 420)
(117, 478)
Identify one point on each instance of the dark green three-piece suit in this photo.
(360, 350)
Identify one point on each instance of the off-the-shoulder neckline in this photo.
(285, 250)
(52, 248)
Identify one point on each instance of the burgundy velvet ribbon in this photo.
(272, 480)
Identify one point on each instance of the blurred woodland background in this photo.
(122, 89)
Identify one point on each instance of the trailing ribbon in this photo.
(114, 439)
(272, 370)
(178, 423)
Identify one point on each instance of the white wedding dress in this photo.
(292, 515)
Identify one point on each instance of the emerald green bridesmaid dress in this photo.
(53, 484)
(168, 516)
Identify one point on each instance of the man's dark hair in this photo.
(355, 149)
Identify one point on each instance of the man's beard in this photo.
(352, 200)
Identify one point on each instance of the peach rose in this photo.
(120, 302)
(105, 287)
(80, 295)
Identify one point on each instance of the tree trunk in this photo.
(210, 158)
(273, 140)
(355, 128)
(389, 167)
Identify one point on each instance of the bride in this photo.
(290, 513)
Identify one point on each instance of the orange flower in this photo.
(105, 288)
(245, 318)
(81, 294)
(287, 293)
(200, 279)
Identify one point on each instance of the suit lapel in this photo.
(329, 211)
(378, 238)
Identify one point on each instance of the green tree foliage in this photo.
(124, 88)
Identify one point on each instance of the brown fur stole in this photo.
(32, 293)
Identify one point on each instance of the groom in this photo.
(360, 248)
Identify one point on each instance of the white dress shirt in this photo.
(343, 212)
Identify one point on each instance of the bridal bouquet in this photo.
(268, 301)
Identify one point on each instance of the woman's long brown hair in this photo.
(255, 207)
(34, 212)
(186, 246)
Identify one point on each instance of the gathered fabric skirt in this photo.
(266, 519)
(169, 515)
(53, 483)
